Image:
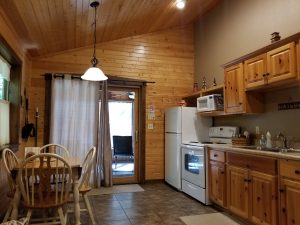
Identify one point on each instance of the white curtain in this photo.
(74, 114)
(103, 167)
(4, 104)
(4, 69)
(4, 123)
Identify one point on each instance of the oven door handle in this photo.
(198, 155)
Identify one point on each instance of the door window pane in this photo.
(3, 89)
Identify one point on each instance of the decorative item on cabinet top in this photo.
(275, 37)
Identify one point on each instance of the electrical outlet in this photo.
(150, 126)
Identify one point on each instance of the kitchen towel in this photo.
(208, 219)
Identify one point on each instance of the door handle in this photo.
(136, 136)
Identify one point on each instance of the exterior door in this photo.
(125, 135)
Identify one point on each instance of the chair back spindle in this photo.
(55, 149)
(39, 183)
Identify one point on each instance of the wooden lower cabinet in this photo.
(238, 191)
(289, 202)
(252, 188)
(289, 171)
(263, 198)
(217, 183)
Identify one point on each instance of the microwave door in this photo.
(202, 104)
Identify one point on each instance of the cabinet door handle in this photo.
(267, 74)
(281, 190)
(222, 172)
(297, 172)
(215, 155)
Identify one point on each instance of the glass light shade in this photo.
(180, 4)
(94, 74)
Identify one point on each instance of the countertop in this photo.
(231, 148)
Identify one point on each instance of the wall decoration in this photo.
(289, 105)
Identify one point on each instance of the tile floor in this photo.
(158, 204)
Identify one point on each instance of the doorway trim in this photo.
(140, 86)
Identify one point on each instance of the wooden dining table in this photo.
(75, 165)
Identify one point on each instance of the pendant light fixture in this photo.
(180, 4)
(94, 73)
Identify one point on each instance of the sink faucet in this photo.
(283, 139)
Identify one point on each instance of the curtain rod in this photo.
(78, 76)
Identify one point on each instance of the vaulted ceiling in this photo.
(49, 26)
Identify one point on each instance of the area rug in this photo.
(208, 219)
(116, 189)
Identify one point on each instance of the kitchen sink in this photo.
(274, 149)
(263, 148)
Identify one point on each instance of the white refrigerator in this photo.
(182, 124)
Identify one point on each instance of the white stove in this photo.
(194, 143)
(222, 134)
(217, 135)
(194, 162)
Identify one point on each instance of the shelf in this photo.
(213, 90)
(193, 95)
(213, 113)
(191, 99)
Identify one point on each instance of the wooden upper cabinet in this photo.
(255, 71)
(281, 63)
(273, 67)
(234, 89)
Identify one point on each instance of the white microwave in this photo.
(210, 103)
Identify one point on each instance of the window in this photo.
(120, 118)
(4, 101)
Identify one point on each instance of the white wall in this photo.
(235, 28)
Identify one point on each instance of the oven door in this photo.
(193, 165)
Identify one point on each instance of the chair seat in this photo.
(84, 189)
(48, 202)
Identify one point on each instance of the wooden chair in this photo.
(10, 161)
(122, 146)
(46, 194)
(84, 186)
(56, 149)
(22, 221)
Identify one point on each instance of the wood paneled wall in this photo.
(14, 42)
(166, 58)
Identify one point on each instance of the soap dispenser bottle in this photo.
(263, 141)
(269, 142)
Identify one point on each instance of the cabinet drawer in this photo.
(257, 163)
(264, 164)
(289, 168)
(217, 155)
(239, 160)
